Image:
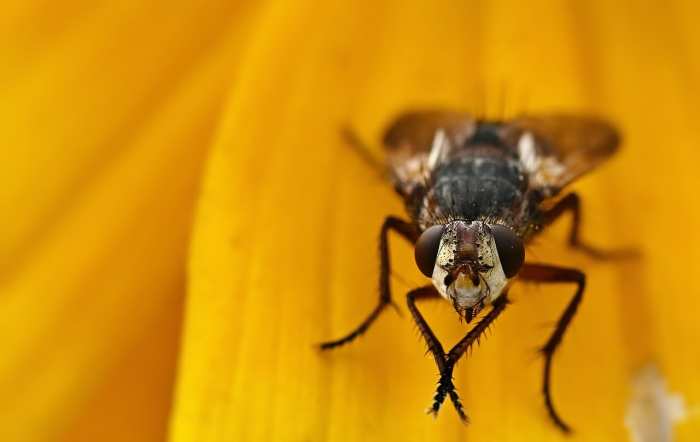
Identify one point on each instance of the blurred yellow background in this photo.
(181, 222)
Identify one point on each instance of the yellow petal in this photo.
(106, 119)
(284, 248)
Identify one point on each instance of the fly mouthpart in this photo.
(464, 292)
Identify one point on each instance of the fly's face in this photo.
(470, 263)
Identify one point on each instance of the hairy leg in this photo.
(406, 230)
(551, 274)
(446, 361)
(572, 203)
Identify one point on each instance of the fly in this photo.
(476, 192)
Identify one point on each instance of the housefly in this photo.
(476, 192)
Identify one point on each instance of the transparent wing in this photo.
(414, 131)
(409, 139)
(555, 149)
(562, 147)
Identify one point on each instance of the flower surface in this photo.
(182, 221)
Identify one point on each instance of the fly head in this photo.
(470, 263)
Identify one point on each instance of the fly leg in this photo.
(446, 362)
(408, 231)
(461, 348)
(551, 274)
(363, 151)
(572, 203)
(434, 345)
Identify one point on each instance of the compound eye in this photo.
(510, 249)
(427, 248)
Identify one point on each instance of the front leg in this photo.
(572, 203)
(434, 345)
(409, 232)
(446, 362)
(551, 274)
(451, 359)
